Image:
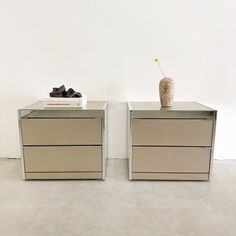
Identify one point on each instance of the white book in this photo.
(65, 102)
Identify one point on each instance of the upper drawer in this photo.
(61, 131)
(176, 132)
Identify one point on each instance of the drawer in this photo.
(171, 159)
(61, 131)
(176, 132)
(62, 159)
(64, 175)
(170, 176)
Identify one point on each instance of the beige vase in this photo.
(166, 92)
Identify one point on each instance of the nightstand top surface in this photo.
(91, 105)
(177, 106)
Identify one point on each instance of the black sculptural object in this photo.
(71, 93)
(61, 92)
(58, 92)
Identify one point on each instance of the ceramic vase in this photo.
(166, 91)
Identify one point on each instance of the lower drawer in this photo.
(169, 176)
(62, 158)
(63, 175)
(171, 159)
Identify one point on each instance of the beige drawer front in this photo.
(61, 131)
(59, 159)
(171, 159)
(169, 176)
(64, 175)
(179, 132)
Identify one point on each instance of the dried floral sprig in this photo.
(159, 65)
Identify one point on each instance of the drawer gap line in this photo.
(170, 146)
(172, 172)
(65, 145)
(86, 171)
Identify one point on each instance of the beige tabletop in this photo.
(177, 106)
(91, 105)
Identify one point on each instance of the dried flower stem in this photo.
(159, 65)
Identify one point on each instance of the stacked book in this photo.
(65, 102)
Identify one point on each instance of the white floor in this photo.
(117, 206)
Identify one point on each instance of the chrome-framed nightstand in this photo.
(175, 143)
(64, 143)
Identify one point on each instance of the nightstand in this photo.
(175, 143)
(64, 143)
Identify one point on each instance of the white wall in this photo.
(106, 49)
